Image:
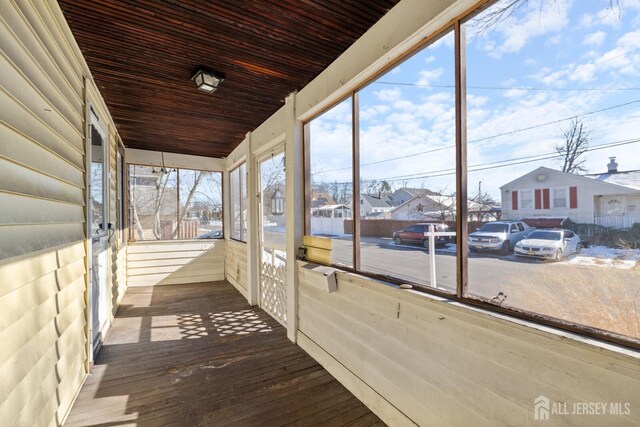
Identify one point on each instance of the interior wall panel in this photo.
(175, 262)
(417, 359)
(236, 265)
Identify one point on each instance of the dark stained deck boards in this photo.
(165, 362)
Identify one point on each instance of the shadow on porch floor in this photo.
(200, 355)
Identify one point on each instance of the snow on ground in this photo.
(603, 256)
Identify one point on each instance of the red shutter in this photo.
(514, 200)
(538, 199)
(545, 199)
(573, 197)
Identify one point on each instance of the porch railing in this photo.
(617, 221)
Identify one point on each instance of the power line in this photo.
(488, 137)
(507, 162)
(496, 164)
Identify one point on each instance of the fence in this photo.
(329, 226)
(594, 234)
(188, 229)
(616, 221)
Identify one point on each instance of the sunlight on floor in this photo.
(241, 322)
(193, 326)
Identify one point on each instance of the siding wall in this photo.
(42, 213)
(587, 190)
(175, 262)
(236, 265)
(415, 359)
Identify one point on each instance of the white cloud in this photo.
(428, 77)
(595, 39)
(371, 112)
(388, 94)
(623, 59)
(555, 40)
(609, 16)
(537, 20)
(514, 93)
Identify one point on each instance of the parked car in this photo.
(498, 236)
(550, 244)
(212, 235)
(416, 234)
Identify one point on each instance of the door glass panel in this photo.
(97, 181)
(273, 292)
(99, 242)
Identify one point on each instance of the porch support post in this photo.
(252, 234)
(294, 221)
(226, 204)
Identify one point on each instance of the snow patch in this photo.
(603, 256)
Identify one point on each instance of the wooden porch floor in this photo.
(198, 354)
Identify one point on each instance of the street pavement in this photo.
(603, 297)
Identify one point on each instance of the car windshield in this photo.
(494, 228)
(545, 235)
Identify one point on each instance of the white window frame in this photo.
(520, 199)
(552, 196)
(242, 181)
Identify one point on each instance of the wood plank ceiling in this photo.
(142, 54)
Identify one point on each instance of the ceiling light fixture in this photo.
(207, 80)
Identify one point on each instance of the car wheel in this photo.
(559, 255)
(506, 248)
(398, 240)
(474, 250)
(425, 243)
(578, 248)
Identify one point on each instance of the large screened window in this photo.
(561, 100)
(238, 200)
(407, 169)
(174, 204)
(499, 165)
(330, 205)
(399, 222)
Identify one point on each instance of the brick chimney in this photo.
(612, 166)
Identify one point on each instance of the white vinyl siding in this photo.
(42, 214)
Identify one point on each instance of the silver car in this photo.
(498, 236)
(549, 244)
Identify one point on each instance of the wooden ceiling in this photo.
(142, 54)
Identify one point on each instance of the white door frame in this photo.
(92, 119)
(273, 148)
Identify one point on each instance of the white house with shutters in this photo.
(611, 199)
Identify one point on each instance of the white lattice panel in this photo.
(274, 290)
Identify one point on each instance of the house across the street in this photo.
(611, 199)
(373, 205)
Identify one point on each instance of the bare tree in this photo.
(501, 11)
(576, 143)
(161, 187)
(482, 206)
(445, 204)
(192, 192)
(505, 9)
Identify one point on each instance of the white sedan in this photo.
(549, 244)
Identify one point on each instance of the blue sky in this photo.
(548, 62)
